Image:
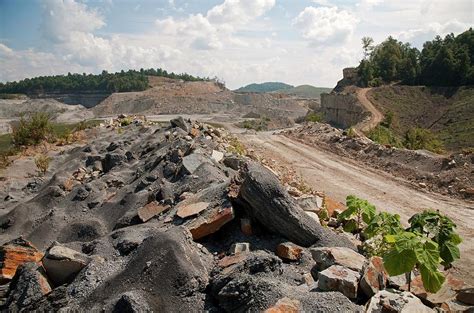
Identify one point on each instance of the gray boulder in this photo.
(181, 123)
(270, 204)
(339, 278)
(328, 256)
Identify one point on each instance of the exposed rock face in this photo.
(328, 256)
(342, 110)
(62, 264)
(339, 278)
(396, 301)
(15, 253)
(273, 207)
(28, 285)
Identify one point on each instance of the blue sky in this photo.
(239, 41)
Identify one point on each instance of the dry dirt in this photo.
(375, 115)
(338, 177)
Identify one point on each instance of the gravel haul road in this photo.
(339, 177)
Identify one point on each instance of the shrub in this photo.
(384, 136)
(235, 146)
(33, 130)
(421, 138)
(42, 163)
(256, 124)
(314, 117)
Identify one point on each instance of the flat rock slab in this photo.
(217, 155)
(203, 227)
(151, 210)
(328, 256)
(391, 300)
(14, 254)
(193, 161)
(339, 278)
(62, 264)
(187, 210)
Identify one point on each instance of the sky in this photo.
(238, 41)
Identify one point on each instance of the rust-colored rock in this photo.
(14, 254)
(374, 277)
(232, 259)
(285, 305)
(246, 226)
(186, 210)
(151, 210)
(333, 207)
(194, 132)
(289, 251)
(206, 226)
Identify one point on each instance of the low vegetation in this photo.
(37, 128)
(441, 62)
(429, 241)
(33, 130)
(441, 116)
(42, 163)
(260, 124)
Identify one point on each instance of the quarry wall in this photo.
(342, 110)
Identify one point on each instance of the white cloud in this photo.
(325, 25)
(420, 35)
(325, 3)
(62, 18)
(238, 11)
(216, 28)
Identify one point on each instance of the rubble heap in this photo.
(170, 218)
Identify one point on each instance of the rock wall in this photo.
(88, 100)
(342, 110)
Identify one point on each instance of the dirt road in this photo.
(339, 177)
(375, 115)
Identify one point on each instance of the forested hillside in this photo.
(264, 87)
(131, 80)
(441, 62)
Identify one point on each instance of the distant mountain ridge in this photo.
(264, 87)
(302, 91)
(305, 91)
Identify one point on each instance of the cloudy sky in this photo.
(239, 41)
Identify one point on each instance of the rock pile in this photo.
(165, 218)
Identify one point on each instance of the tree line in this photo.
(131, 80)
(441, 62)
